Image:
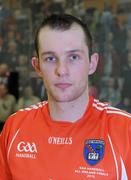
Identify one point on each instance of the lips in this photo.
(63, 85)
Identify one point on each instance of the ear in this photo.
(93, 63)
(36, 65)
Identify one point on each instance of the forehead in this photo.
(72, 36)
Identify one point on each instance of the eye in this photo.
(74, 57)
(50, 59)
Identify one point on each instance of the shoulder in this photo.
(110, 111)
(16, 120)
(21, 120)
(10, 97)
(34, 107)
(117, 123)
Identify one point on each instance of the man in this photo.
(72, 136)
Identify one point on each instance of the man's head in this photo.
(3, 90)
(63, 22)
(4, 70)
(63, 59)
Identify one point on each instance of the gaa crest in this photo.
(93, 151)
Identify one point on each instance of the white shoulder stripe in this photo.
(119, 112)
(123, 173)
(100, 103)
(12, 143)
(113, 152)
(99, 107)
(111, 110)
(35, 106)
(114, 108)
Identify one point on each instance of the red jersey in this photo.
(97, 146)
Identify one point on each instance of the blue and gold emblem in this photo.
(93, 151)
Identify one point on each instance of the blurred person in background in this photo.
(93, 90)
(11, 57)
(27, 99)
(11, 78)
(57, 6)
(125, 78)
(2, 49)
(7, 104)
(110, 91)
(125, 104)
(72, 136)
(23, 69)
(108, 55)
(4, 73)
(106, 20)
(1, 44)
(119, 41)
(4, 12)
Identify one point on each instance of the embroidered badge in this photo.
(93, 151)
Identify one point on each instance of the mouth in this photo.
(63, 85)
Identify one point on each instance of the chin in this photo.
(62, 99)
(66, 98)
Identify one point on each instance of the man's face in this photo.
(64, 63)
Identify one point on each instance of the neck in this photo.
(68, 111)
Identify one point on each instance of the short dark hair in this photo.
(63, 22)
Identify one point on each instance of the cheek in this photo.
(47, 75)
(81, 73)
(45, 70)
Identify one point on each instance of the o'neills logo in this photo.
(59, 140)
(26, 150)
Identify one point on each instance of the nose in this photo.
(62, 68)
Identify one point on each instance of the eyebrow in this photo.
(47, 52)
(68, 51)
(75, 50)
